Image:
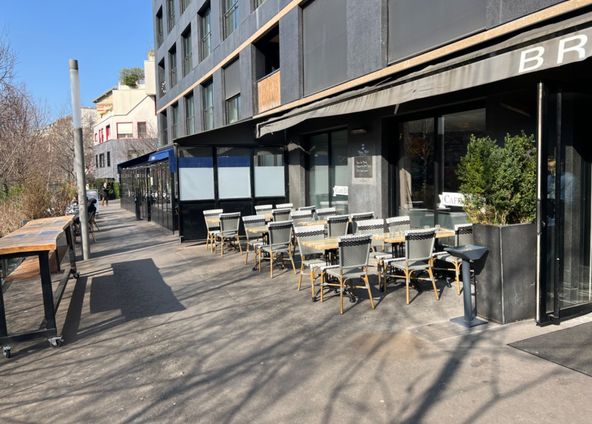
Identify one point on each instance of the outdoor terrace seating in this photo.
(279, 246)
(310, 258)
(281, 214)
(463, 234)
(254, 239)
(284, 206)
(228, 233)
(212, 225)
(355, 217)
(301, 216)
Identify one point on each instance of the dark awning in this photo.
(550, 46)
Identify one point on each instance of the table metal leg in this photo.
(47, 290)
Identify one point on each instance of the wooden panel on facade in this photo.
(268, 92)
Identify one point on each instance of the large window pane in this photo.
(205, 32)
(208, 105)
(416, 171)
(318, 171)
(234, 173)
(341, 174)
(196, 174)
(269, 173)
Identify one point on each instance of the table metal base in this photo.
(468, 324)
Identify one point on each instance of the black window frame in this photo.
(173, 77)
(205, 38)
(207, 90)
(230, 15)
(170, 9)
(189, 117)
(159, 27)
(174, 120)
(187, 50)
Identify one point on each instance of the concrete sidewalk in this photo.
(158, 331)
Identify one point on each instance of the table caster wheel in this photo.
(56, 341)
(76, 275)
(7, 352)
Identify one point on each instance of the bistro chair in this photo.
(398, 225)
(310, 258)
(337, 225)
(355, 217)
(354, 253)
(307, 208)
(254, 240)
(323, 213)
(229, 226)
(280, 244)
(211, 227)
(284, 206)
(463, 234)
(281, 214)
(263, 209)
(301, 216)
(419, 247)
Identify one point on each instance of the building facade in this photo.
(369, 106)
(126, 125)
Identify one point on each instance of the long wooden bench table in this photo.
(38, 242)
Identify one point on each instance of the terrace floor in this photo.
(158, 331)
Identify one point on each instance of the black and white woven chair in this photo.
(211, 228)
(263, 209)
(310, 259)
(229, 227)
(280, 215)
(354, 253)
(398, 225)
(363, 216)
(301, 216)
(419, 248)
(284, 206)
(254, 240)
(374, 227)
(324, 213)
(280, 245)
(463, 234)
(337, 225)
(307, 208)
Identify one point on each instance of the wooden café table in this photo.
(214, 221)
(37, 241)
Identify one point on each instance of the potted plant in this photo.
(499, 186)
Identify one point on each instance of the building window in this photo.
(230, 10)
(232, 91)
(232, 109)
(170, 15)
(107, 132)
(125, 130)
(96, 138)
(102, 160)
(184, 4)
(175, 121)
(108, 159)
(205, 32)
(101, 136)
(328, 173)
(96, 161)
(207, 102)
(189, 114)
(173, 65)
(324, 44)
(141, 127)
(257, 3)
(187, 53)
(234, 172)
(162, 84)
(164, 132)
(159, 28)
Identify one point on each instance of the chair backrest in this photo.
(250, 221)
(280, 232)
(325, 212)
(281, 214)
(307, 208)
(354, 250)
(229, 222)
(337, 225)
(210, 213)
(308, 232)
(284, 206)
(363, 216)
(463, 234)
(301, 216)
(419, 244)
(398, 224)
(371, 226)
(263, 209)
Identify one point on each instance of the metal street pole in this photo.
(79, 157)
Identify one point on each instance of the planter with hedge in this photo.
(499, 186)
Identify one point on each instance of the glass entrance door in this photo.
(565, 277)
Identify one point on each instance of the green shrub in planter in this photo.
(499, 182)
(499, 185)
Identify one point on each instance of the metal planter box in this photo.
(505, 278)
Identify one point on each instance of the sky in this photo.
(103, 35)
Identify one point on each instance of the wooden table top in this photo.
(214, 221)
(307, 223)
(37, 235)
(333, 243)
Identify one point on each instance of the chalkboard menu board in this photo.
(363, 167)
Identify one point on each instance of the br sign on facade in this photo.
(556, 52)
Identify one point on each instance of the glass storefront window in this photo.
(196, 174)
(234, 173)
(269, 173)
(329, 175)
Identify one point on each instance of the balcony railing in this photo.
(268, 91)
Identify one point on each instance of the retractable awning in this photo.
(550, 46)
